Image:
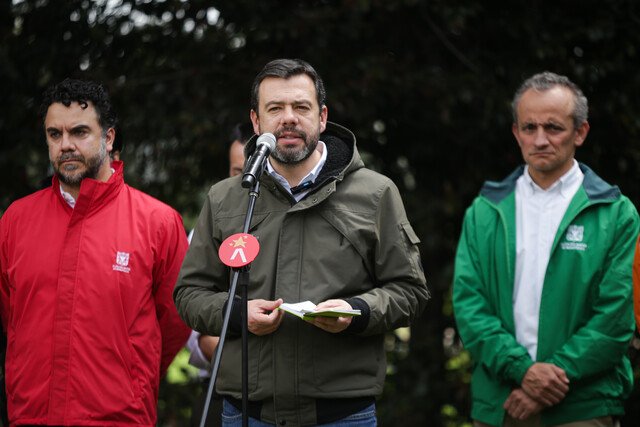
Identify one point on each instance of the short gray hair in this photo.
(547, 80)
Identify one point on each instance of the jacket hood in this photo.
(596, 188)
(342, 156)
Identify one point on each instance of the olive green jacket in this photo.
(348, 239)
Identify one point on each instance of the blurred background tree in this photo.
(425, 86)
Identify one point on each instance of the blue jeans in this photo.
(232, 417)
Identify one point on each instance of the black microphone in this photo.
(265, 144)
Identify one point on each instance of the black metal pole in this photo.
(243, 275)
(244, 286)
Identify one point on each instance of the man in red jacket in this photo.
(87, 268)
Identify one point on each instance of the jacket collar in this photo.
(94, 194)
(342, 154)
(343, 157)
(595, 187)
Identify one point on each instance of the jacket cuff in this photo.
(519, 368)
(358, 323)
(235, 321)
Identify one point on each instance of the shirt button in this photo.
(315, 200)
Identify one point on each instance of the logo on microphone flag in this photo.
(238, 250)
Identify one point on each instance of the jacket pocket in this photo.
(408, 231)
(256, 220)
(343, 363)
(230, 225)
(230, 375)
(411, 248)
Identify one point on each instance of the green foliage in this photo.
(425, 85)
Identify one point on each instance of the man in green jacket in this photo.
(331, 232)
(542, 287)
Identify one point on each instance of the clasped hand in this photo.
(543, 385)
(546, 382)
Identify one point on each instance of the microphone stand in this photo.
(240, 276)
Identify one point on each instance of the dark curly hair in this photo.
(82, 92)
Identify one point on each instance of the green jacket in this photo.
(348, 239)
(586, 312)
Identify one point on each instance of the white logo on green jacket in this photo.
(574, 237)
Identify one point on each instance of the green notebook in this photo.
(307, 310)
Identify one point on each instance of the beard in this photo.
(293, 156)
(72, 175)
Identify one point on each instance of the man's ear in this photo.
(255, 121)
(110, 136)
(581, 133)
(324, 114)
(514, 131)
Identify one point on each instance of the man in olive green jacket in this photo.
(330, 231)
(542, 286)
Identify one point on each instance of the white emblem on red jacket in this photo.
(122, 262)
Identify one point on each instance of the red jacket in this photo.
(86, 303)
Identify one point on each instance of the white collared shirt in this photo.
(68, 198)
(310, 177)
(538, 216)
